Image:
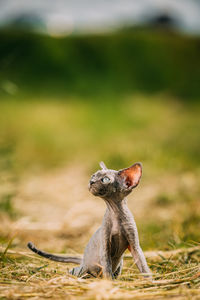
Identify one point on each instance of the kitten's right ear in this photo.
(103, 166)
(132, 175)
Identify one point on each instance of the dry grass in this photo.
(176, 274)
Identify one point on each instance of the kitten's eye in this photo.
(105, 179)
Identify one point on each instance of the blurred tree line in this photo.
(143, 60)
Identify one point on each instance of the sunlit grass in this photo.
(161, 132)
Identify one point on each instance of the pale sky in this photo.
(83, 15)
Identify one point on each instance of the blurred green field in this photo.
(160, 131)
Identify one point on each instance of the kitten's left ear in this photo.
(131, 175)
(103, 166)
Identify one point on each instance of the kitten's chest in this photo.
(116, 228)
(117, 239)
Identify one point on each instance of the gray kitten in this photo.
(103, 255)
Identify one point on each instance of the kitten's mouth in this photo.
(95, 191)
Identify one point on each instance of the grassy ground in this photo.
(176, 275)
(49, 149)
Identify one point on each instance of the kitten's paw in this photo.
(109, 276)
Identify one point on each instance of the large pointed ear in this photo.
(132, 175)
(103, 166)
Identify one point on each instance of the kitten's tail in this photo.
(65, 259)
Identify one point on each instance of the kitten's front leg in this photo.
(134, 247)
(105, 253)
(140, 261)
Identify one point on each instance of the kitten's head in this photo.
(111, 184)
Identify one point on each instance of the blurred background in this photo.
(85, 81)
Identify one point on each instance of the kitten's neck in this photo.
(116, 207)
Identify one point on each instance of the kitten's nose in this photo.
(91, 182)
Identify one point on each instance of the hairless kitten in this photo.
(103, 255)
